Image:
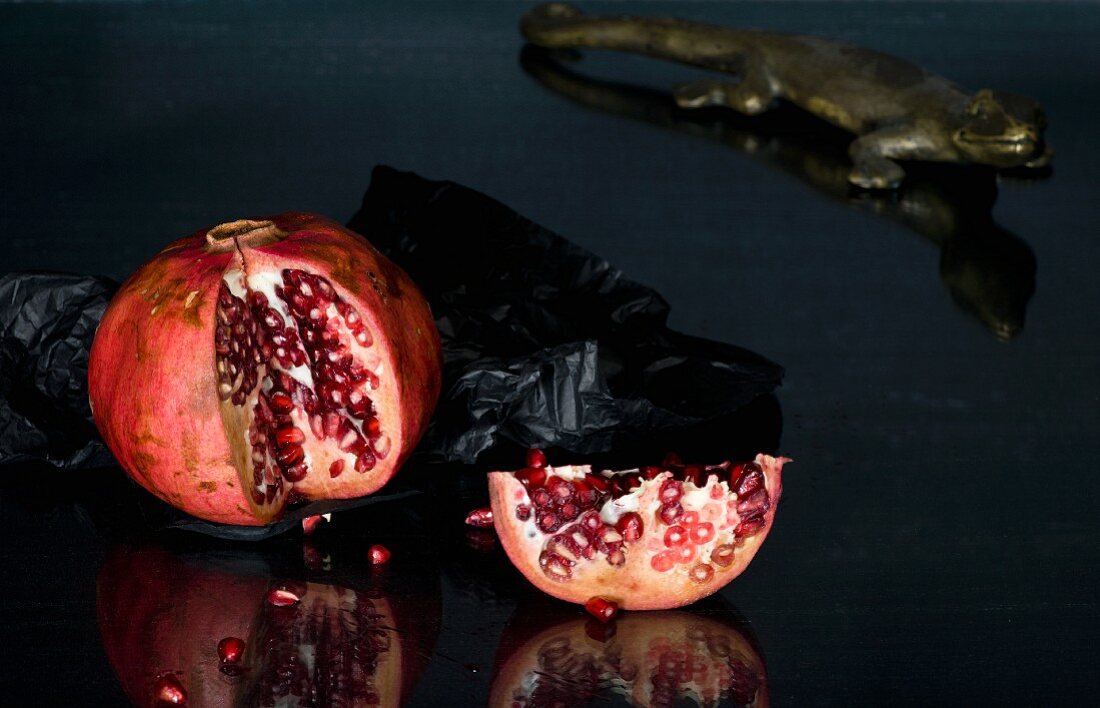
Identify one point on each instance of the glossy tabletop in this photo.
(938, 541)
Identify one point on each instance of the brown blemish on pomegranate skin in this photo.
(209, 487)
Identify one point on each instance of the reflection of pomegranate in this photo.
(209, 628)
(653, 538)
(260, 360)
(652, 659)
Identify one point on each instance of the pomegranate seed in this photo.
(663, 561)
(749, 526)
(560, 488)
(723, 555)
(532, 477)
(597, 482)
(671, 491)
(336, 468)
(702, 533)
(541, 498)
(670, 513)
(169, 691)
(693, 474)
(481, 518)
(701, 573)
(378, 554)
(690, 518)
(365, 462)
(282, 598)
(548, 522)
(685, 554)
(751, 480)
(289, 456)
(586, 496)
(310, 523)
(569, 511)
(630, 526)
(281, 403)
(602, 609)
(616, 557)
(554, 566)
(523, 512)
(296, 473)
(231, 650)
(591, 521)
(536, 458)
(675, 536)
(755, 503)
(289, 435)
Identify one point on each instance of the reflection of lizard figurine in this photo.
(989, 271)
(897, 110)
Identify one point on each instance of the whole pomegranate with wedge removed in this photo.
(646, 539)
(261, 362)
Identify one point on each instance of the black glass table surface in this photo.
(938, 540)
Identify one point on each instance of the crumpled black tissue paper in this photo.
(544, 343)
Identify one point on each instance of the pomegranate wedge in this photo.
(262, 359)
(645, 539)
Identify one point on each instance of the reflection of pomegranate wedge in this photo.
(163, 616)
(648, 539)
(653, 659)
(264, 361)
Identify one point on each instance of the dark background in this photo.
(938, 537)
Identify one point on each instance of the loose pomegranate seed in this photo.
(536, 458)
(282, 598)
(532, 477)
(378, 554)
(168, 691)
(630, 526)
(310, 523)
(231, 650)
(481, 518)
(602, 609)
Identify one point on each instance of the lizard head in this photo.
(1003, 130)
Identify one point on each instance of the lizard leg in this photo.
(752, 95)
(874, 154)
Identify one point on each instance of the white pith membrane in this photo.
(653, 659)
(700, 528)
(297, 372)
(334, 647)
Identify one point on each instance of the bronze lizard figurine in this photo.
(897, 110)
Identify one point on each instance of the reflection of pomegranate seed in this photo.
(282, 598)
(169, 691)
(481, 518)
(601, 609)
(378, 554)
(310, 523)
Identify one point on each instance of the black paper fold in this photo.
(545, 344)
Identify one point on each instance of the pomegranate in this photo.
(650, 659)
(264, 361)
(203, 630)
(645, 539)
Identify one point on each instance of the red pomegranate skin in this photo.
(153, 386)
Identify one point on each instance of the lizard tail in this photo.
(560, 25)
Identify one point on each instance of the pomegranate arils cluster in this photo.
(293, 346)
(708, 512)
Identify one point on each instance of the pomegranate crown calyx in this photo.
(232, 234)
